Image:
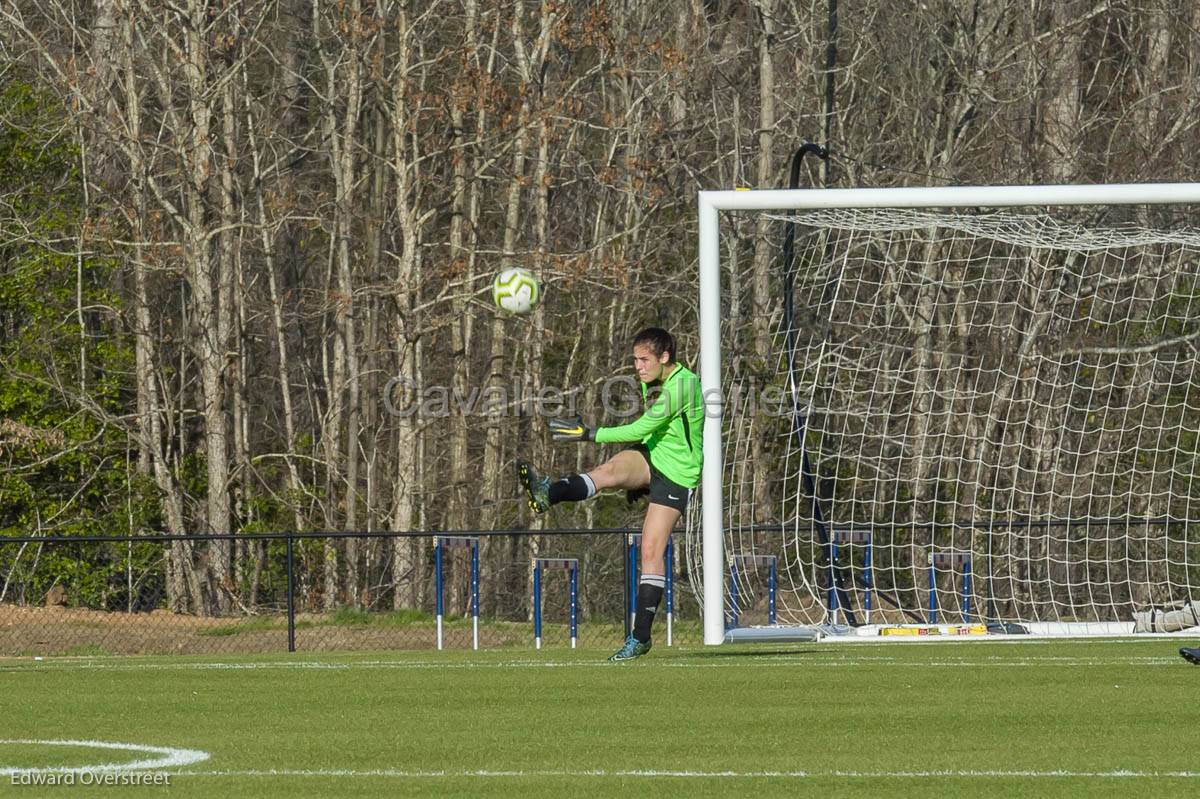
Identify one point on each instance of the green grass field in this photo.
(1095, 718)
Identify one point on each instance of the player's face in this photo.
(648, 366)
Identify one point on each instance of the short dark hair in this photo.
(658, 340)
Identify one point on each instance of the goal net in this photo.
(970, 415)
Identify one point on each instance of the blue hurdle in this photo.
(753, 562)
(837, 538)
(571, 565)
(442, 542)
(949, 560)
(632, 566)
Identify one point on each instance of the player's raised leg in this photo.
(627, 470)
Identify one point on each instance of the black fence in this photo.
(270, 592)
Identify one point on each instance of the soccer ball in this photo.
(516, 290)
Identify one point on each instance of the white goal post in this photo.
(712, 358)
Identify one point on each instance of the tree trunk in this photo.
(765, 247)
(406, 561)
(462, 236)
(1061, 87)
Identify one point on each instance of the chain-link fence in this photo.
(323, 591)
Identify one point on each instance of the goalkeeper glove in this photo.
(571, 430)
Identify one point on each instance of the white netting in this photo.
(1008, 394)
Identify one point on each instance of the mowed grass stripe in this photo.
(829, 654)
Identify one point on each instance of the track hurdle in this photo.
(441, 543)
(632, 568)
(949, 560)
(571, 565)
(839, 538)
(753, 562)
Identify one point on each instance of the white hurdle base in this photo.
(774, 633)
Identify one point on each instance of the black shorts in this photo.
(662, 491)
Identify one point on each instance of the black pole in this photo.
(838, 594)
(291, 597)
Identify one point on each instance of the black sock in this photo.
(650, 591)
(572, 488)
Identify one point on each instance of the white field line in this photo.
(688, 774)
(764, 660)
(168, 757)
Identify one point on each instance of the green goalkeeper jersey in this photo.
(672, 428)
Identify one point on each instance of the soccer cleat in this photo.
(632, 648)
(537, 487)
(1190, 655)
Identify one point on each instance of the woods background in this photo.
(226, 226)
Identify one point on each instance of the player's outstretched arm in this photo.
(659, 414)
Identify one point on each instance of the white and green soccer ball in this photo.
(516, 290)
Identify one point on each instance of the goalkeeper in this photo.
(663, 463)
